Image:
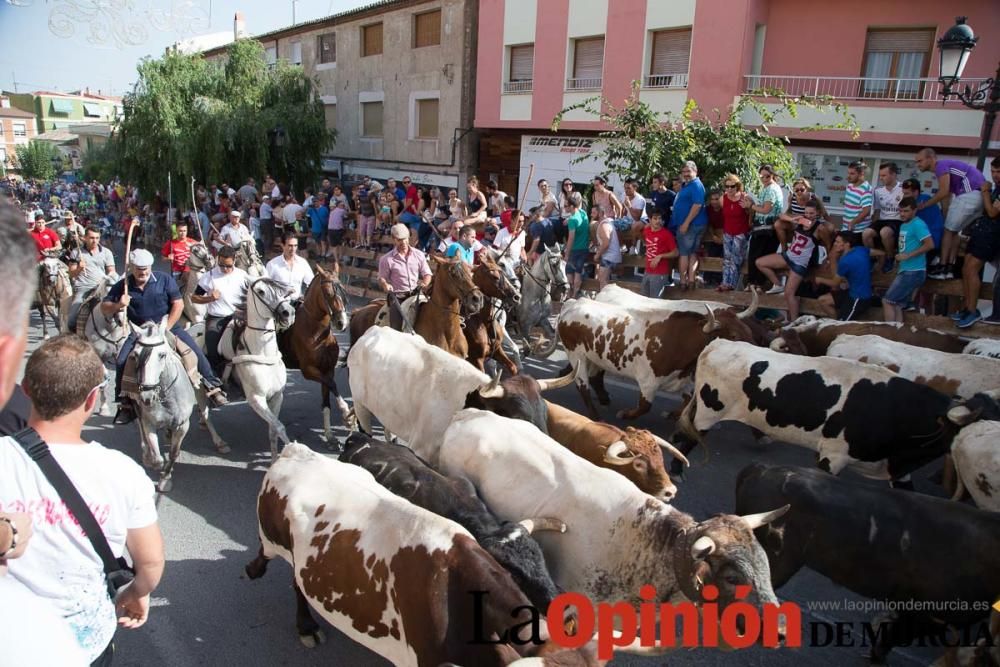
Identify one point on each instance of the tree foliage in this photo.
(642, 141)
(37, 159)
(215, 121)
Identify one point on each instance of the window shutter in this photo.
(372, 118)
(427, 29)
(671, 52)
(296, 53)
(330, 111)
(899, 41)
(522, 62)
(372, 40)
(588, 62)
(328, 48)
(427, 119)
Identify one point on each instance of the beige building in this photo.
(397, 78)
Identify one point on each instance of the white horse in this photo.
(258, 363)
(55, 293)
(106, 334)
(165, 401)
(536, 298)
(199, 262)
(248, 259)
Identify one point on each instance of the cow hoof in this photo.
(312, 639)
(222, 448)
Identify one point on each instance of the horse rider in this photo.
(149, 296)
(289, 269)
(47, 242)
(88, 266)
(234, 233)
(222, 290)
(401, 273)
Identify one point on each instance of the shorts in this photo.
(984, 239)
(963, 210)
(848, 307)
(879, 225)
(411, 220)
(687, 244)
(608, 264)
(624, 224)
(318, 236)
(335, 236)
(653, 284)
(797, 269)
(902, 288)
(577, 260)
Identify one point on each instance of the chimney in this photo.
(239, 26)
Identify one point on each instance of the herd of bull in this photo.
(505, 500)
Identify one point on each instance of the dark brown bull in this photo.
(814, 336)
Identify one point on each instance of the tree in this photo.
(642, 142)
(99, 163)
(213, 121)
(37, 159)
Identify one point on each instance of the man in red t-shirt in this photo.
(45, 238)
(660, 248)
(179, 249)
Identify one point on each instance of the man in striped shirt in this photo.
(857, 200)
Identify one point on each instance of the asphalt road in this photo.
(206, 612)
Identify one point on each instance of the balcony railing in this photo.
(517, 86)
(852, 88)
(667, 81)
(583, 84)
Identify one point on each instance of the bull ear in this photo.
(702, 547)
(755, 521)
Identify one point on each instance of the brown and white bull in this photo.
(619, 538)
(656, 349)
(976, 455)
(415, 388)
(812, 336)
(391, 576)
(625, 297)
(636, 454)
(952, 374)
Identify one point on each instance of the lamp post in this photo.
(279, 142)
(955, 47)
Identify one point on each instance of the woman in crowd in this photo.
(475, 202)
(764, 208)
(802, 193)
(735, 232)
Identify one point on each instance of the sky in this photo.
(55, 45)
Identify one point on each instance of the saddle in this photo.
(410, 308)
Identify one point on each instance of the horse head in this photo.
(248, 259)
(53, 276)
(152, 356)
(554, 267)
(272, 300)
(200, 258)
(454, 278)
(492, 281)
(334, 299)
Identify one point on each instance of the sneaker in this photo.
(888, 265)
(217, 396)
(969, 319)
(776, 289)
(959, 315)
(936, 261)
(126, 413)
(994, 318)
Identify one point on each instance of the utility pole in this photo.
(293, 11)
(13, 79)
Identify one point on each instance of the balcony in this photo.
(517, 87)
(584, 84)
(853, 88)
(667, 81)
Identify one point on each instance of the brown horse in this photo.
(483, 331)
(310, 344)
(439, 322)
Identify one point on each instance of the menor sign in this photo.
(554, 156)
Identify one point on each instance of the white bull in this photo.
(984, 347)
(962, 375)
(625, 297)
(976, 454)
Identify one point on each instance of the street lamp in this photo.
(279, 142)
(955, 46)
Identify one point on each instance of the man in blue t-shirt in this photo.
(663, 198)
(319, 217)
(463, 248)
(914, 243)
(931, 216)
(852, 266)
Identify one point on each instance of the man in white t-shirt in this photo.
(633, 210)
(234, 233)
(885, 219)
(223, 290)
(510, 240)
(289, 269)
(64, 378)
(292, 209)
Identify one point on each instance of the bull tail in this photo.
(686, 425)
(959, 484)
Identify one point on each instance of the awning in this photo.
(62, 106)
(90, 109)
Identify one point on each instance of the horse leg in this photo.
(41, 316)
(325, 401)
(205, 417)
(345, 410)
(263, 407)
(150, 446)
(176, 437)
(107, 394)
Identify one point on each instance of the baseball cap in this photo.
(235, 214)
(266, 197)
(141, 258)
(399, 231)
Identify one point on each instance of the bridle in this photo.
(272, 311)
(340, 293)
(142, 357)
(115, 342)
(547, 272)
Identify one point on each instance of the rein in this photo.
(142, 366)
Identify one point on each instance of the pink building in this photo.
(16, 128)
(536, 58)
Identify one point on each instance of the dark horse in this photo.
(310, 344)
(483, 331)
(439, 322)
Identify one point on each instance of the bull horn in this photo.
(752, 308)
(754, 521)
(616, 454)
(712, 324)
(546, 384)
(542, 523)
(494, 389)
(960, 415)
(670, 449)
(779, 344)
(702, 547)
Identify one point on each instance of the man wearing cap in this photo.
(234, 233)
(401, 272)
(46, 240)
(149, 296)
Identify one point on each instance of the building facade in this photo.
(56, 111)
(397, 79)
(537, 58)
(17, 128)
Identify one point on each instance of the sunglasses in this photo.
(799, 190)
(730, 186)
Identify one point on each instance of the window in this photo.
(20, 130)
(3, 156)
(326, 47)
(271, 55)
(894, 62)
(92, 110)
(588, 64)
(668, 67)
(296, 58)
(62, 106)
(330, 111)
(522, 62)
(427, 29)
(427, 119)
(371, 40)
(371, 119)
